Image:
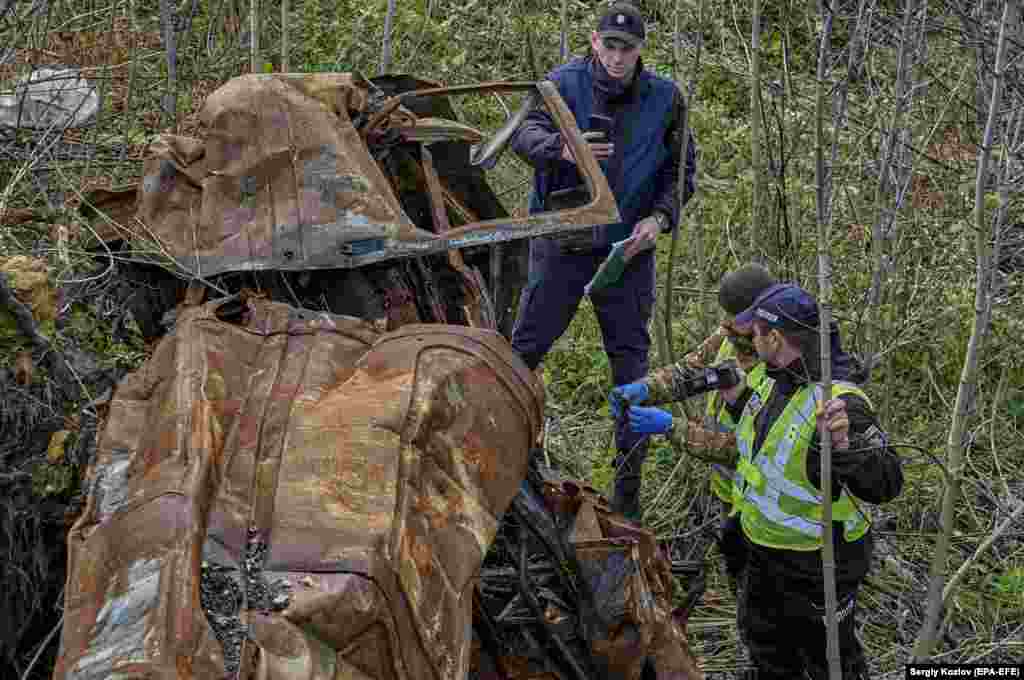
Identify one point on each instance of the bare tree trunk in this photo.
(285, 66)
(824, 213)
(885, 213)
(170, 98)
(756, 129)
(966, 393)
(254, 36)
(385, 50)
(691, 91)
(563, 38)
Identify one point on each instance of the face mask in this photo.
(744, 344)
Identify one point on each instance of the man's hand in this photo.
(645, 235)
(601, 150)
(630, 393)
(649, 420)
(832, 417)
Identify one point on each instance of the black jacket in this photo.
(869, 469)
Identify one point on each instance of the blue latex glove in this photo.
(649, 420)
(630, 393)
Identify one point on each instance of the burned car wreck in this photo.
(323, 470)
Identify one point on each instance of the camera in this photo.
(692, 382)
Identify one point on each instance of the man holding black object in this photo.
(633, 120)
(777, 494)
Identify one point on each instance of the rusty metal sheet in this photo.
(287, 494)
(645, 599)
(284, 180)
(621, 595)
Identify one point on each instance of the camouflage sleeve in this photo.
(662, 382)
(707, 445)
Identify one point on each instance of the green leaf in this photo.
(1009, 582)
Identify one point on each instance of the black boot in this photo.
(626, 499)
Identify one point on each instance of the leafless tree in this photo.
(895, 168)
(756, 129)
(985, 238)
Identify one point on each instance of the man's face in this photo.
(617, 56)
(768, 344)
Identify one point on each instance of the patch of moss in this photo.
(50, 479)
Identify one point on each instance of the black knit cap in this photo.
(623, 21)
(739, 289)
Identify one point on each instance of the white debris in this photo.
(50, 98)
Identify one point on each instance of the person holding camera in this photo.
(777, 488)
(711, 440)
(633, 119)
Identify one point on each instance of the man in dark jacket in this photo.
(777, 489)
(640, 155)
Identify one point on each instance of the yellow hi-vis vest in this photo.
(778, 505)
(717, 418)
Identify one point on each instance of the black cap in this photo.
(740, 288)
(623, 21)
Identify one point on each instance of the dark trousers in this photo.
(731, 544)
(547, 306)
(780, 617)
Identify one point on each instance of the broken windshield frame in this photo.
(601, 209)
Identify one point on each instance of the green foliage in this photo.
(95, 335)
(53, 479)
(1009, 582)
(722, 88)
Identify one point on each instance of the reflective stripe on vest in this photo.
(717, 418)
(779, 505)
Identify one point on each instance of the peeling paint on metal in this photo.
(119, 633)
(112, 484)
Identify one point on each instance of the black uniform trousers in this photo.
(549, 303)
(780, 614)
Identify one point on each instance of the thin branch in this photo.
(1017, 513)
(28, 326)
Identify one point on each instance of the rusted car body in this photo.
(281, 184)
(340, 485)
(324, 175)
(283, 492)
